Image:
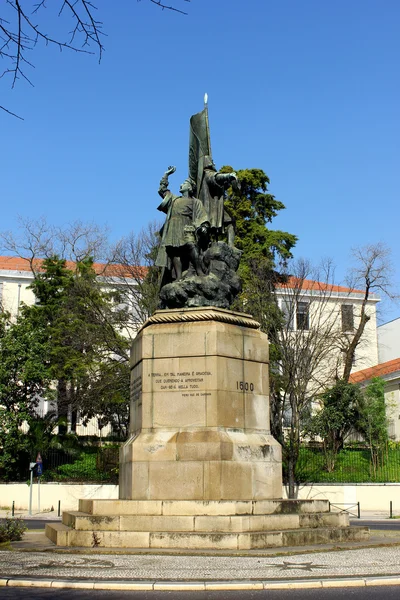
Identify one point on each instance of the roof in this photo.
(16, 263)
(319, 286)
(391, 366)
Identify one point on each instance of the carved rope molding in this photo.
(206, 315)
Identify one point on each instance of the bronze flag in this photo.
(199, 145)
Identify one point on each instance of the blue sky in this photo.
(306, 90)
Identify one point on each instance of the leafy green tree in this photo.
(265, 250)
(373, 422)
(43, 435)
(338, 416)
(106, 396)
(252, 208)
(83, 325)
(23, 378)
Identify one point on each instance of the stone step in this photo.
(65, 536)
(81, 521)
(202, 507)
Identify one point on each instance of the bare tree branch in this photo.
(21, 34)
(132, 264)
(164, 6)
(37, 239)
(11, 113)
(373, 272)
(309, 356)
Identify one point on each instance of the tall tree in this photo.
(337, 416)
(371, 273)
(373, 422)
(24, 378)
(265, 250)
(307, 355)
(83, 326)
(252, 208)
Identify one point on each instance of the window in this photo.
(347, 317)
(302, 319)
(287, 309)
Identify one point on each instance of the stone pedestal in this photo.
(200, 468)
(200, 411)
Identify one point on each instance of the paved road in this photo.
(372, 593)
(383, 524)
(39, 523)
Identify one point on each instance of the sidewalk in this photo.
(349, 564)
(24, 514)
(368, 515)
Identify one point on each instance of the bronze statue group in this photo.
(195, 219)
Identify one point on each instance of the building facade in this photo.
(307, 305)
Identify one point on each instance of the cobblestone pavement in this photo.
(345, 564)
(35, 561)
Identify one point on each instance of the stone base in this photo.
(200, 469)
(201, 465)
(210, 525)
(200, 411)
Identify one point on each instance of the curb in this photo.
(201, 585)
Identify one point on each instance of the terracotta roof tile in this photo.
(15, 263)
(310, 284)
(391, 366)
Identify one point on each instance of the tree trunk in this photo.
(293, 449)
(62, 405)
(276, 416)
(349, 356)
(291, 477)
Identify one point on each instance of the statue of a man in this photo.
(187, 221)
(211, 194)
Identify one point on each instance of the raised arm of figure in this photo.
(163, 189)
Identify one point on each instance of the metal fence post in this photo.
(59, 508)
(12, 508)
(30, 494)
(391, 510)
(358, 510)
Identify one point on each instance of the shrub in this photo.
(11, 530)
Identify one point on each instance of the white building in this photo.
(16, 276)
(335, 311)
(390, 372)
(389, 341)
(307, 305)
(388, 368)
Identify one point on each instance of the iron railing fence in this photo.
(88, 464)
(91, 459)
(351, 465)
(91, 464)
